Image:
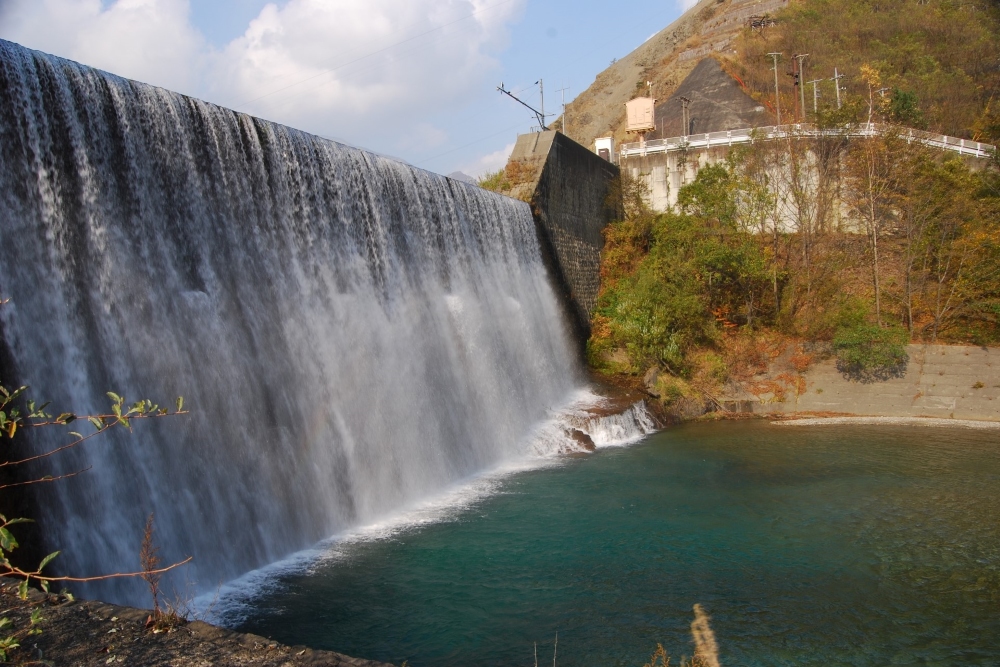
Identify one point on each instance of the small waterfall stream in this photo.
(351, 334)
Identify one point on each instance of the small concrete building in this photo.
(605, 147)
(640, 114)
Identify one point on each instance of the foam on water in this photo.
(546, 445)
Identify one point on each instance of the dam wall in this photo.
(352, 335)
(568, 187)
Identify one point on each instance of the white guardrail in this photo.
(732, 137)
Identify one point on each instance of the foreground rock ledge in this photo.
(94, 633)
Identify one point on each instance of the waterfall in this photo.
(351, 334)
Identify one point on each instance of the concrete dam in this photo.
(352, 334)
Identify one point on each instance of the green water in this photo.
(807, 545)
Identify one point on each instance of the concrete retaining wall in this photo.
(568, 187)
(946, 381)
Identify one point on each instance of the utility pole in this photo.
(795, 88)
(801, 81)
(562, 97)
(836, 80)
(815, 95)
(777, 100)
(684, 115)
(649, 89)
(541, 95)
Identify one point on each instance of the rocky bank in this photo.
(88, 634)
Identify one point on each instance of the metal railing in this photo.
(748, 135)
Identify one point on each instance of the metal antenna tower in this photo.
(777, 101)
(538, 114)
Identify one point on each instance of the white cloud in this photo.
(341, 67)
(489, 162)
(687, 4)
(150, 40)
(316, 61)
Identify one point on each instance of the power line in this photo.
(471, 143)
(604, 41)
(579, 54)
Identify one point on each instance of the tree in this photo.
(756, 168)
(904, 109)
(871, 196)
(950, 244)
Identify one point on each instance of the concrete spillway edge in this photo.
(891, 421)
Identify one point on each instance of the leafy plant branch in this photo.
(15, 417)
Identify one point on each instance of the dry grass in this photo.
(171, 614)
(706, 649)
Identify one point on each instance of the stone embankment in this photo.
(940, 381)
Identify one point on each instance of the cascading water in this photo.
(352, 334)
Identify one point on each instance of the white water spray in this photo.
(352, 334)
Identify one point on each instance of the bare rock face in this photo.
(716, 103)
(649, 381)
(666, 59)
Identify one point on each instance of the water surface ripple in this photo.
(814, 546)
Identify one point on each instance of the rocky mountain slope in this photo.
(930, 64)
(665, 59)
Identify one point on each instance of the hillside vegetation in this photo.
(939, 60)
(701, 298)
(858, 246)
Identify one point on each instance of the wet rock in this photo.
(583, 439)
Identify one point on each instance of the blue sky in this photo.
(415, 79)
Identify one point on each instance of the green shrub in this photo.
(672, 389)
(496, 181)
(870, 353)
